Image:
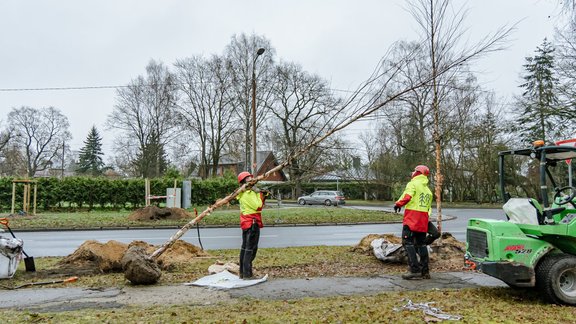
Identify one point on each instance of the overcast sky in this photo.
(75, 43)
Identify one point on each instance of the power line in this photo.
(105, 87)
(63, 88)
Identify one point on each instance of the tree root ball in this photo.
(138, 268)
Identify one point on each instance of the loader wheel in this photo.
(556, 278)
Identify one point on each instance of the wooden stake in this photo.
(13, 197)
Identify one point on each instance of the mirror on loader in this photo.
(535, 246)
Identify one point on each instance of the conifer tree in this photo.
(539, 115)
(90, 160)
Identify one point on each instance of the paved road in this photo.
(62, 243)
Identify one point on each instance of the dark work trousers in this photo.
(250, 238)
(433, 234)
(413, 243)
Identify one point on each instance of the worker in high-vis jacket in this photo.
(417, 200)
(251, 203)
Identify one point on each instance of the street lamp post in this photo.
(254, 161)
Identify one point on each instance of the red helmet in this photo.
(420, 169)
(243, 175)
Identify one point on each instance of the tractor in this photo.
(536, 245)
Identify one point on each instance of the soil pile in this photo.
(99, 257)
(156, 213)
(447, 252)
(180, 252)
(93, 256)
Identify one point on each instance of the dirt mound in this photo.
(107, 257)
(157, 213)
(447, 252)
(102, 257)
(180, 252)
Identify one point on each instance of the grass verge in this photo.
(223, 217)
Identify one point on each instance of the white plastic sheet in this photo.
(10, 256)
(225, 280)
(386, 251)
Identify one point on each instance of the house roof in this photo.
(261, 158)
(353, 174)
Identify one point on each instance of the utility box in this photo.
(173, 201)
(186, 194)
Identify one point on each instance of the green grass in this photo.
(482, 305)
(223, 217)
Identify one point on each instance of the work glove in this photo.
(397, 208)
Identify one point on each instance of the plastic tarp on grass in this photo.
(225, 280)
(10, 256)
(386, 251)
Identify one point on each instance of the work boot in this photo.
(412, 275)
(426, 275)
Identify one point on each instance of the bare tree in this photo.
(302, 107)
(243, 59)
(565, 57)
(144, 113)
(205, 107)
(5, 136)
(41, 134)
(442, 30)
(12, 162)
(410, 116)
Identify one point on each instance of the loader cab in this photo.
(542, 171)
(536, 246)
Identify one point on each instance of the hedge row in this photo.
(101, 193)
(72, 193)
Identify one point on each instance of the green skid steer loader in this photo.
(536, 245)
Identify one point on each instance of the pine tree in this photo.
(90, 161)
(539, 113)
